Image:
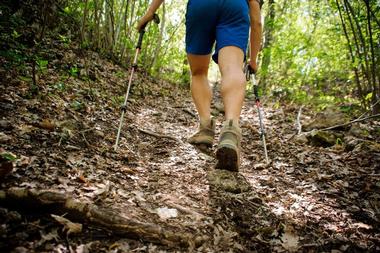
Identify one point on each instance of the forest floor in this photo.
(158, 193)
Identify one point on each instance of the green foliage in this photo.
(74, 71)
(60, 86)
(9, 157)
(117, 101)
(65, 40)
(42, 65)
(309, 60)
(77, 105)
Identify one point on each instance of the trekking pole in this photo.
(134, 67)
(250, 75)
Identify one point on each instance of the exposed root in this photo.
(91, 213)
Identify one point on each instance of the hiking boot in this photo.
(228, 152)
(204, 135)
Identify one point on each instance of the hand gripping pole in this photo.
(134, 67)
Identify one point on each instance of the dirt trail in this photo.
(309, 199)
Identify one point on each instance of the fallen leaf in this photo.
(53, 235)
(69, 226)
(290, 240)
(47, 124)
(82, 179)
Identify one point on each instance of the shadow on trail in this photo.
(238, 207)
(242, 216)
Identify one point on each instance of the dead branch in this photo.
(371, 108)
(299, 126)
(157, 135)
(351, 122)
(88, 212)
(340, 125)
(197, 215)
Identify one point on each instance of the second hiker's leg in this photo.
(200, 88)
(233, 81)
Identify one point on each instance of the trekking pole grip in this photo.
(156, 19)
(141, 36)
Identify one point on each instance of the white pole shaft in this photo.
(126, 99)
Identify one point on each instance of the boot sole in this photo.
(227, 159)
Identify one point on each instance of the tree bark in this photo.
(362, 46)
(109, 219)
(84, 22)
(360, 90)
(157, 50)
(268, 38)
(376, 88)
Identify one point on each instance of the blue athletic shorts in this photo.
(224, 21)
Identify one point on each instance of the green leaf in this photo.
(9, 157)
(369, 96)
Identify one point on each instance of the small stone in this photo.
(300, 139)
(358, 130)
(20, 250)
(322, 138)
(328, 118)
(99, 133)
(219, 106)
(5, 125)
(4, 138)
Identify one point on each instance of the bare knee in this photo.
(199, 65)
(199, 72)
(233, 80)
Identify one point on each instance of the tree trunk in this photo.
(360, 90)
(268, 38)
(157, 50)
(376, 88)
(84, 22)
(362, 46)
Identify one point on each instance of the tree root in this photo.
(87, 212)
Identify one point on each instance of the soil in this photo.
(307, 199)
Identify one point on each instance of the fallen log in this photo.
(87, 212)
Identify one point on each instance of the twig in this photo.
(372, 106)
(197, 215)
(351, 122)
(85, 140)
(87, 130)
(298, 123)
(157, 135)
(338, 126)
(189, 112)
(299, 126)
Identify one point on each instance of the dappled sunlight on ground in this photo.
(307, 198)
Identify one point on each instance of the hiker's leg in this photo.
(200, 88)
(233, 81)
